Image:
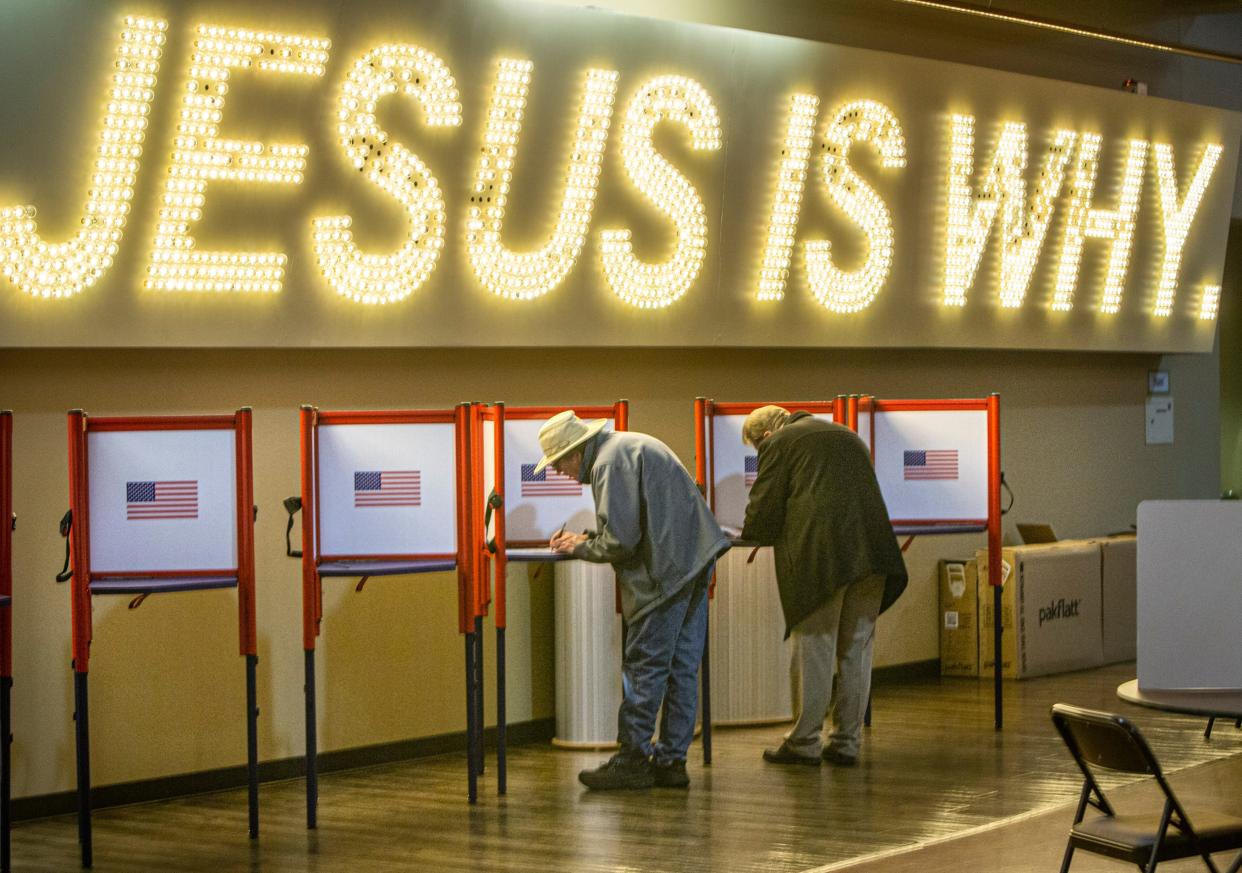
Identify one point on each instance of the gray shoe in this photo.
(620, 771)
(838, 759)
(786, 755)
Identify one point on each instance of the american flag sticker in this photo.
(919, 464)
(751, 468)
(548, 483)
(150, 500)
(388, 488)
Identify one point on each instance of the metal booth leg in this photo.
(6, 742)
(472, 777)
(501, 776)
(312, 746)
(705, 669)
(82, 730)
(480, 719)
(252, 743)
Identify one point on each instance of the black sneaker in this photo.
(619, 771)
(671, 775)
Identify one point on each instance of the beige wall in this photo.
(166, 683)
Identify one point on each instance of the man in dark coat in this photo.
(817, 501)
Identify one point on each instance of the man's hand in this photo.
(564, 542)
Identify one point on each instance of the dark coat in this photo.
(816, 499)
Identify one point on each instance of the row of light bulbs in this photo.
(1000, 198)
(423, 77)
(176, 264)
(54, 270)
(528, 275)
(638, 283)
(199, 156)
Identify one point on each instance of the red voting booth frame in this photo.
(141, 581)
(7, 523)
(315, 565)
(848, 410)
(491, 553)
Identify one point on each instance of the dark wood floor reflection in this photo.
(932, 767)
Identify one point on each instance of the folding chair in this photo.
(1110, 742)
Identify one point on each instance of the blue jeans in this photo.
(663, 650)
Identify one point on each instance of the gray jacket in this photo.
(651, 523)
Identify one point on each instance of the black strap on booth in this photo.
(292, 505)
(494, 502)
(66, 525)
(1005, 485)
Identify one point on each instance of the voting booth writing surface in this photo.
(8, 521)
(159, 505)
(746, 676)
(524, 509)
(382, 495)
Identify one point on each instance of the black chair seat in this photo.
(1134, 835)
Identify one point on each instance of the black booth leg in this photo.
(312, 746)
(82, 730)
(252, 743)
(705, 669)
(997, 685)
(6, 742)
(480, 719)
(472, 778)
(501, 775)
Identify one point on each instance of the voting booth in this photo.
(521, 510)
(382, 495)
(938, 465)
(1189, 598)
(8, 521)
(746, 666)
(159, 506)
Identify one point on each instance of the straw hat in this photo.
(564, 432)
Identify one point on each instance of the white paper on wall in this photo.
(536, 505)
(933, 464)
(735, 467)
(387, 489)
(162, 500)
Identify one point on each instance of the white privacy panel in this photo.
(489, 470)
(933, 464)
(734, 468)
(387, 489)
(162, 500)
(536, 505)
(864, 426)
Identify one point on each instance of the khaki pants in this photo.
(840, 634)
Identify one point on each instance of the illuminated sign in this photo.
(507, 177)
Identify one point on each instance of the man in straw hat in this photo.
(653, 526)
(817, 501)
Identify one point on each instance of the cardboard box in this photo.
(1119, 598)
(1050, 610)
(959, 618)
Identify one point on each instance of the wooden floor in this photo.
(934, 782)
